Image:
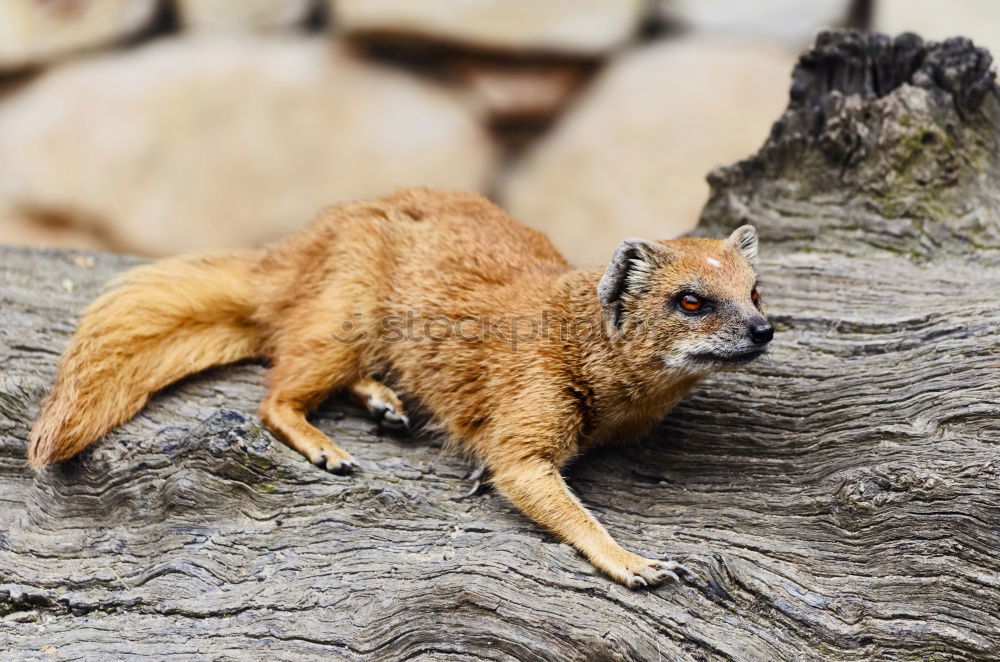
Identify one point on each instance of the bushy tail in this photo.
(160, 322)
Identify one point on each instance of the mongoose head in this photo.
(690, 305)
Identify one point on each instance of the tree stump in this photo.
(838, 500)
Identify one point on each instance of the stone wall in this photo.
(155, 127)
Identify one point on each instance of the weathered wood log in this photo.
(838, 500)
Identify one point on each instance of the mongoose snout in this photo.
(761, 332)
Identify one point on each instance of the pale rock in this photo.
(261, 15)
(792, 23)
(29, 231)
(630, 157)
(521, 91)
(584, 27)
(934, 20)
(33, 32)
(232, 140)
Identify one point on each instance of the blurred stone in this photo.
(232, 140)
(516, 91)
(35, 31)
(262, 15)
(792, 23)
(978, 20)
(631, 156)
(29, 231)
(586, 27)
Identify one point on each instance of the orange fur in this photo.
(161, 322)
(611, 361)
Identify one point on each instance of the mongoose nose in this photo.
(761, 334)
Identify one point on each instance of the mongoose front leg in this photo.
(381, 402)
(537, 488)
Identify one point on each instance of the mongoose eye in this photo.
(691, 303)
(755, 295)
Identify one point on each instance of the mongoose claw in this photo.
(660, 570)
(396, 421)
(646, 572)
(477, 483)
(336, 465)
(387, 417)
(676, 567)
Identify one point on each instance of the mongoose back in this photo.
(523, 361)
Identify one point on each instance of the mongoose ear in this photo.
(634, 260)
(744, 240)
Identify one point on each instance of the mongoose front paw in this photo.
(381, 402)
(389, 417)
(639, 572)
(335, 464)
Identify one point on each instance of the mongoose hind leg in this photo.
(298, 382)
(536, 487)
(381, 402)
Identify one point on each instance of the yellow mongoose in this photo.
(523, 361)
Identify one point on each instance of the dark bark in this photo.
(838, 499)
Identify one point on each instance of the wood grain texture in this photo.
(838, 500)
